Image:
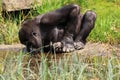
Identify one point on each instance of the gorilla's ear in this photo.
(22, 36)
(25, 22)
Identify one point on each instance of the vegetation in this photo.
(20, 66)
(106, 29)
(70, 67)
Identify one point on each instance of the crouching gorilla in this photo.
(64, 29)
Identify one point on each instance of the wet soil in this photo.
(86, 55)
(101, 49)
(97, 49)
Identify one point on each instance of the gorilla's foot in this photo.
(68, 47)
(57, 46)
(79, 45)
(63, 47)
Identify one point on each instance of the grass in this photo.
(71, 67)
(20, 66)
(106, 29)
(107, 25)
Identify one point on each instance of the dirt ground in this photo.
(101, 49)
(98, 49)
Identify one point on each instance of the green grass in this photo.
(106, 29)
(20, 66)
(74, 67)
(107, 24)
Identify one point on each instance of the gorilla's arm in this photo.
(58, 16)
(67, 15)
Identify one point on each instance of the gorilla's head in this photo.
(30, 35)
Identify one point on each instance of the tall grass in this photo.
(106, 29)
(74, 67)
(107, 24)
(20, 66)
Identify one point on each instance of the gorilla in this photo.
(63, 29)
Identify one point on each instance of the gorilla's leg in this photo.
(87, 24)
(59, 16)
(54, 35)
(67, 16)
(67, 43)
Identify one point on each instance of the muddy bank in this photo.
(90, 49)
(100, 49)
(14, 47)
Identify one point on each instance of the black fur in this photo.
(65, 28)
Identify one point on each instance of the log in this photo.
(13, 5)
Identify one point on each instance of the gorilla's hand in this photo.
(66, 45)
(79, 45)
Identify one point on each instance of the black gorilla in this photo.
(64, 29)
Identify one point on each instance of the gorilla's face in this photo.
(30, 35)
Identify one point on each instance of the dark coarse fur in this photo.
(65, 28)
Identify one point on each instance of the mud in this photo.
(94, 49)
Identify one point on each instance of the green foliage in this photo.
(49, 5)
(9, 33)
(70, 67)
(107, 27)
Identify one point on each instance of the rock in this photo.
(13, 5)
